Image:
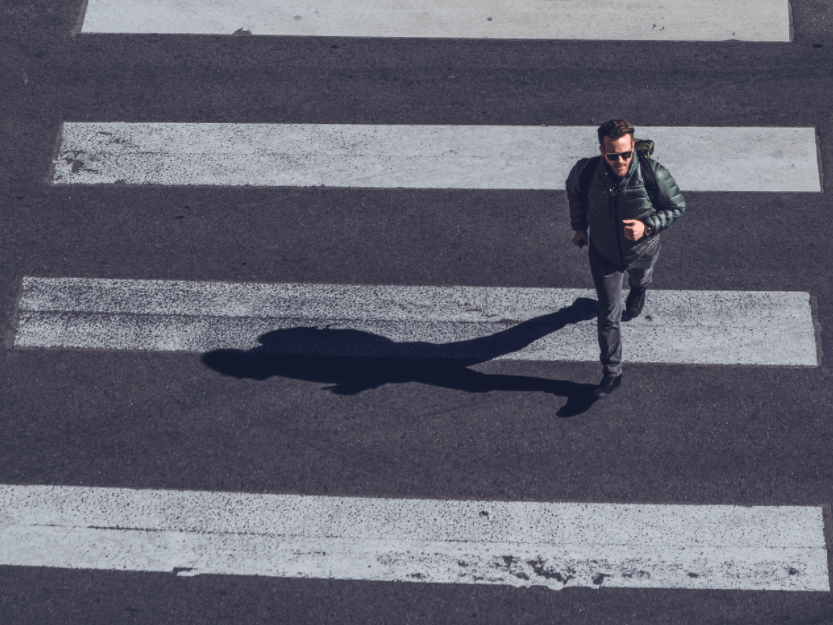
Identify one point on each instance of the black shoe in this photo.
(634, 302)
(607, 386)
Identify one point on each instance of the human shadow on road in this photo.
(354, 361)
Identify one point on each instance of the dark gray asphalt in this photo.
(671, 434)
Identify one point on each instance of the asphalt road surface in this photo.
(672, 434)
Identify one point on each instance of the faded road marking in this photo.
(406, 156)
(453, 542)
(468, 323)
(647, 20)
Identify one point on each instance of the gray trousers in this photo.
(607, 278)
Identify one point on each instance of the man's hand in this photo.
(580, 238)
(634, 229)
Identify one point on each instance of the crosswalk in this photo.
(385, 539)
(557, 545)
(407, 156)
(652, 20)
(468, 323)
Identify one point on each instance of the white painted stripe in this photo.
(478, 323)
(652, 20)
(458, 157)
(451, 542)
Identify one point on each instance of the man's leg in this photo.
(607, 278)
(640, 273)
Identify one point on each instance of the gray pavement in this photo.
(671, 434)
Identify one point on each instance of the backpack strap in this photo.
(650, 179)
(587, 176)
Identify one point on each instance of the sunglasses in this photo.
(612, 156)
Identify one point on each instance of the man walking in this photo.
(625, 208)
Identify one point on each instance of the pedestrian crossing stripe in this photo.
(475, 324)
(405, 156)
(647, 20)
(557, 545)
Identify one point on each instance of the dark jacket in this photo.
(608, 203)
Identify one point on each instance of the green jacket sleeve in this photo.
(671, 200)
(578, 204)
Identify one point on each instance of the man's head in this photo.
(616, 143)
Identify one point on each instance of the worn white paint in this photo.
(453, 542)
(473, 323)
(404, 156)
(647, 20)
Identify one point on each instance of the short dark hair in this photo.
(614, 129)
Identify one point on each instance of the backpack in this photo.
(644, 148)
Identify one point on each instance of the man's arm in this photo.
(578, 204)
(671, 200)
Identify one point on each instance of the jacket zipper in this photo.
(614, 201)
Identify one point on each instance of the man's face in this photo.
(619, 165)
